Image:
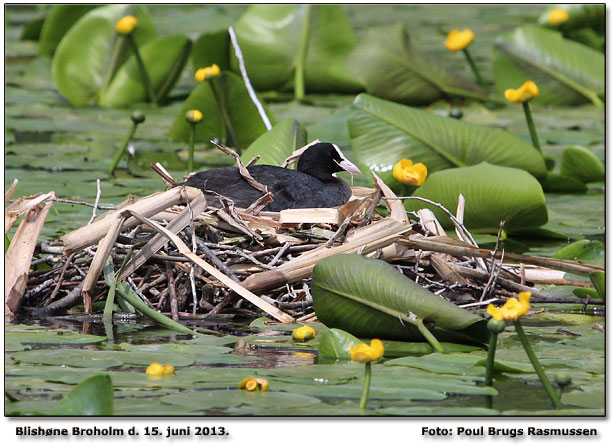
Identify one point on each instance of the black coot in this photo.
(311, 185)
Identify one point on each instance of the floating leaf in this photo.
(371, 299)
(58, 21)
(585, 292)
(91, 52)
(164, 59)
(277, 144)
(492, 193)
(390, 67)
(246, 121)
(92, 397)
(566, 72)
(582, 250)
(558, 183)
(443, 363)
(382, 133)
(271, 36)
(580, 163)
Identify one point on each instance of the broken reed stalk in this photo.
(147, 206)
(459, 249)
(97, 265)
(367, 239)
(19, 255)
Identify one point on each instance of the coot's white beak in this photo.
(346, 164)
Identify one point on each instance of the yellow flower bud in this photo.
(193, 116)
(126, 25)
(458, 40)
(526, 92)
(155, 369)
(303, 333)
(253, 384)
(408, 173)
(512, 309)
(206, 73)
(363, 353)
(557, 16)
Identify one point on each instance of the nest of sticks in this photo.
(185, 259)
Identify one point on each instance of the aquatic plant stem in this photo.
(224, 114)
(122, 150)
(190, 159)
(366, 389)
(302, 52)
(491, 354)
(531, 126)
(143, 71)
(472, 64)
(429, 337)
(553, 395)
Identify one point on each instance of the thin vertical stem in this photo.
(366, 389)
(143, 71)
(429, 337)
(472, 64)
(302, 52)
(537, 365)
(491, 354)
(190, 160)
(122, 150)
(531, 126)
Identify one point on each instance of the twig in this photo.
(174, 309)
(98, 192)
(279, 254)
(77, 202)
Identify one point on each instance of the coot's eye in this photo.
(329, 154)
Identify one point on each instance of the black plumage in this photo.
(311, 185)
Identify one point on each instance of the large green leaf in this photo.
(91, 52)
(492, 193)
(277, 144)
(164, 59)
(212, 48)
(370, 298)
(580, 163)
(271, 36)
(243, 114)
(58, 21)
(565, 72)
(382, 133)
(390, 67)
(92, 397)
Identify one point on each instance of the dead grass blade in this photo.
(19, 255)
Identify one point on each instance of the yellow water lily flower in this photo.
(364, 353)
(557, 16)
(126, 25)
(526, 92)
(155, 369)
(303, 333)
(512, 309)
(411, 174)
(206, 73)
(193, 116)
(458, 40)
(253, 384)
